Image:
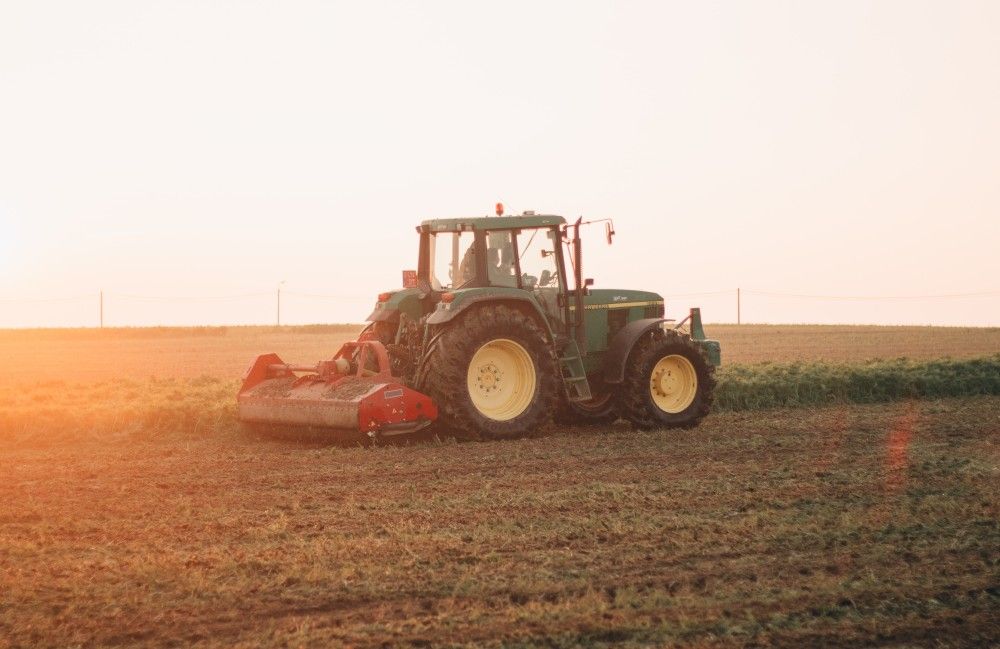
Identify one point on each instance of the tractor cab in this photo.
(480, 252)
(521, 253)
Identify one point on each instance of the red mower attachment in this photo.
(342, 393)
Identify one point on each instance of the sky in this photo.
(185, 158)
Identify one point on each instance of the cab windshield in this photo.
(514, 258)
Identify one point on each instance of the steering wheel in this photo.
(547, 277)
(424, 287)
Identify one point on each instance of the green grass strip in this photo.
(755, 387)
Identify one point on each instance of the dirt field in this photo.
(867, 525)
(86, 355)
(135, 513)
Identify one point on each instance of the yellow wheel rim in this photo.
(673, 383)
(501, 379)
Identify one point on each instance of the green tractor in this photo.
(495, 334)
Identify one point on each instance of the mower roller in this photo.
(341, 394)
(495, 334)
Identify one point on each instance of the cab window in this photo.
(453, 259)
(537, 255)
(501, 269)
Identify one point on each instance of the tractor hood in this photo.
(620, 298)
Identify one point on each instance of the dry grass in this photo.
(55, 411)
(860, 525)
(85, 355)
(88, 355)
(846, 343)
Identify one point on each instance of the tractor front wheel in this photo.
(492, 374)
(669, 382)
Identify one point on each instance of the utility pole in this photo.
(738, 306)
(102, 308)
(279, 301)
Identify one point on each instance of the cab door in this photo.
(541, 271)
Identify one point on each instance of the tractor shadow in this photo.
(314, 438)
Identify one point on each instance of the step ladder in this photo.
(575, 377)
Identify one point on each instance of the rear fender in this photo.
(515, 298)
(407, 300)
(448, 312)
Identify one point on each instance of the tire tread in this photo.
(634, 401)
(447, 364)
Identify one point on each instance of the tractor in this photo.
(495, 334)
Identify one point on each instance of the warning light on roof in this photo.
(499, 209)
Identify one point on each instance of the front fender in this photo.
(621, 345)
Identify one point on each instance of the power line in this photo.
(331, 296)
(183, 298)
(327, 296)
(46, 299)
(726, 292)
(872, 297)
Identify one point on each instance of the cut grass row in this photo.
(787, 385)
(56, 410)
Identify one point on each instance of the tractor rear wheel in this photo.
(492, 374)
(669, 382)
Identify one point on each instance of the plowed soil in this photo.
(845, 526)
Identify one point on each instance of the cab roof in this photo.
(491, 223)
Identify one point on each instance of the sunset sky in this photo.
(186, 157)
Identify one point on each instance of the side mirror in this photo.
(609, 231)
(587, 283)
